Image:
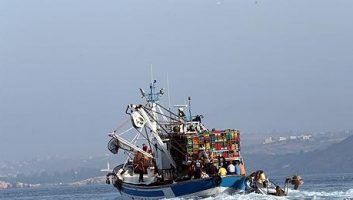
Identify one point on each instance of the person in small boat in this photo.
(222, 171)
(296, 181)
(280, 192)
(261, 178)
(231, 168)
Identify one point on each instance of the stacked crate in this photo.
(216, 143)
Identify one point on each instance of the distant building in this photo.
(304, 137)
(293, 137)
(298, 138)
(268, 140)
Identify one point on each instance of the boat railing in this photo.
(117, 168)
(167, 174)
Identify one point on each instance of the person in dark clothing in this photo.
(208, 168)
(144, 147)
(197, 171)
(213, 170)
(221, 161)
(141, 169)
(191, 170)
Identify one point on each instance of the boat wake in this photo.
(293, 194)
(340, 194)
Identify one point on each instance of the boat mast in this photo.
(190, 116)
(163, 157)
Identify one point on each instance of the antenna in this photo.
(168, 90)
(189, 98)
(151, 73)
(143, 93)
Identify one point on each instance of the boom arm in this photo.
(139, 111)
(128, 145)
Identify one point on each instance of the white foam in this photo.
(323, 194)
(293, 194)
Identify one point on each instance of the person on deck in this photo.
(237, 167)
(231, 168)
(213, 170)
(191, 170)
(221, 161)
(197, 170)
(222, 171)
(141, 169)
(144, 147)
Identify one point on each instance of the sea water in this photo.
(328, 186)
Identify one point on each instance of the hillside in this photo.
(337, 158)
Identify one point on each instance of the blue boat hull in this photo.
(195, 187)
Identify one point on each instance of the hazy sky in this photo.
(69, 68)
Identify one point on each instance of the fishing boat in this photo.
(172, 153)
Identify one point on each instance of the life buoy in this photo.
(217, 180)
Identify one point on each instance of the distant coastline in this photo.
(90, 181)
(7, 185)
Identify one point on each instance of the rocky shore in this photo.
(90, 181)
(7, 185)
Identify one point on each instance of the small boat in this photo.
(257, 182)
(173, 154)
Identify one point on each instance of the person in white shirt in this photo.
(231, 168)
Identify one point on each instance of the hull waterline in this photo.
(197, 187)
